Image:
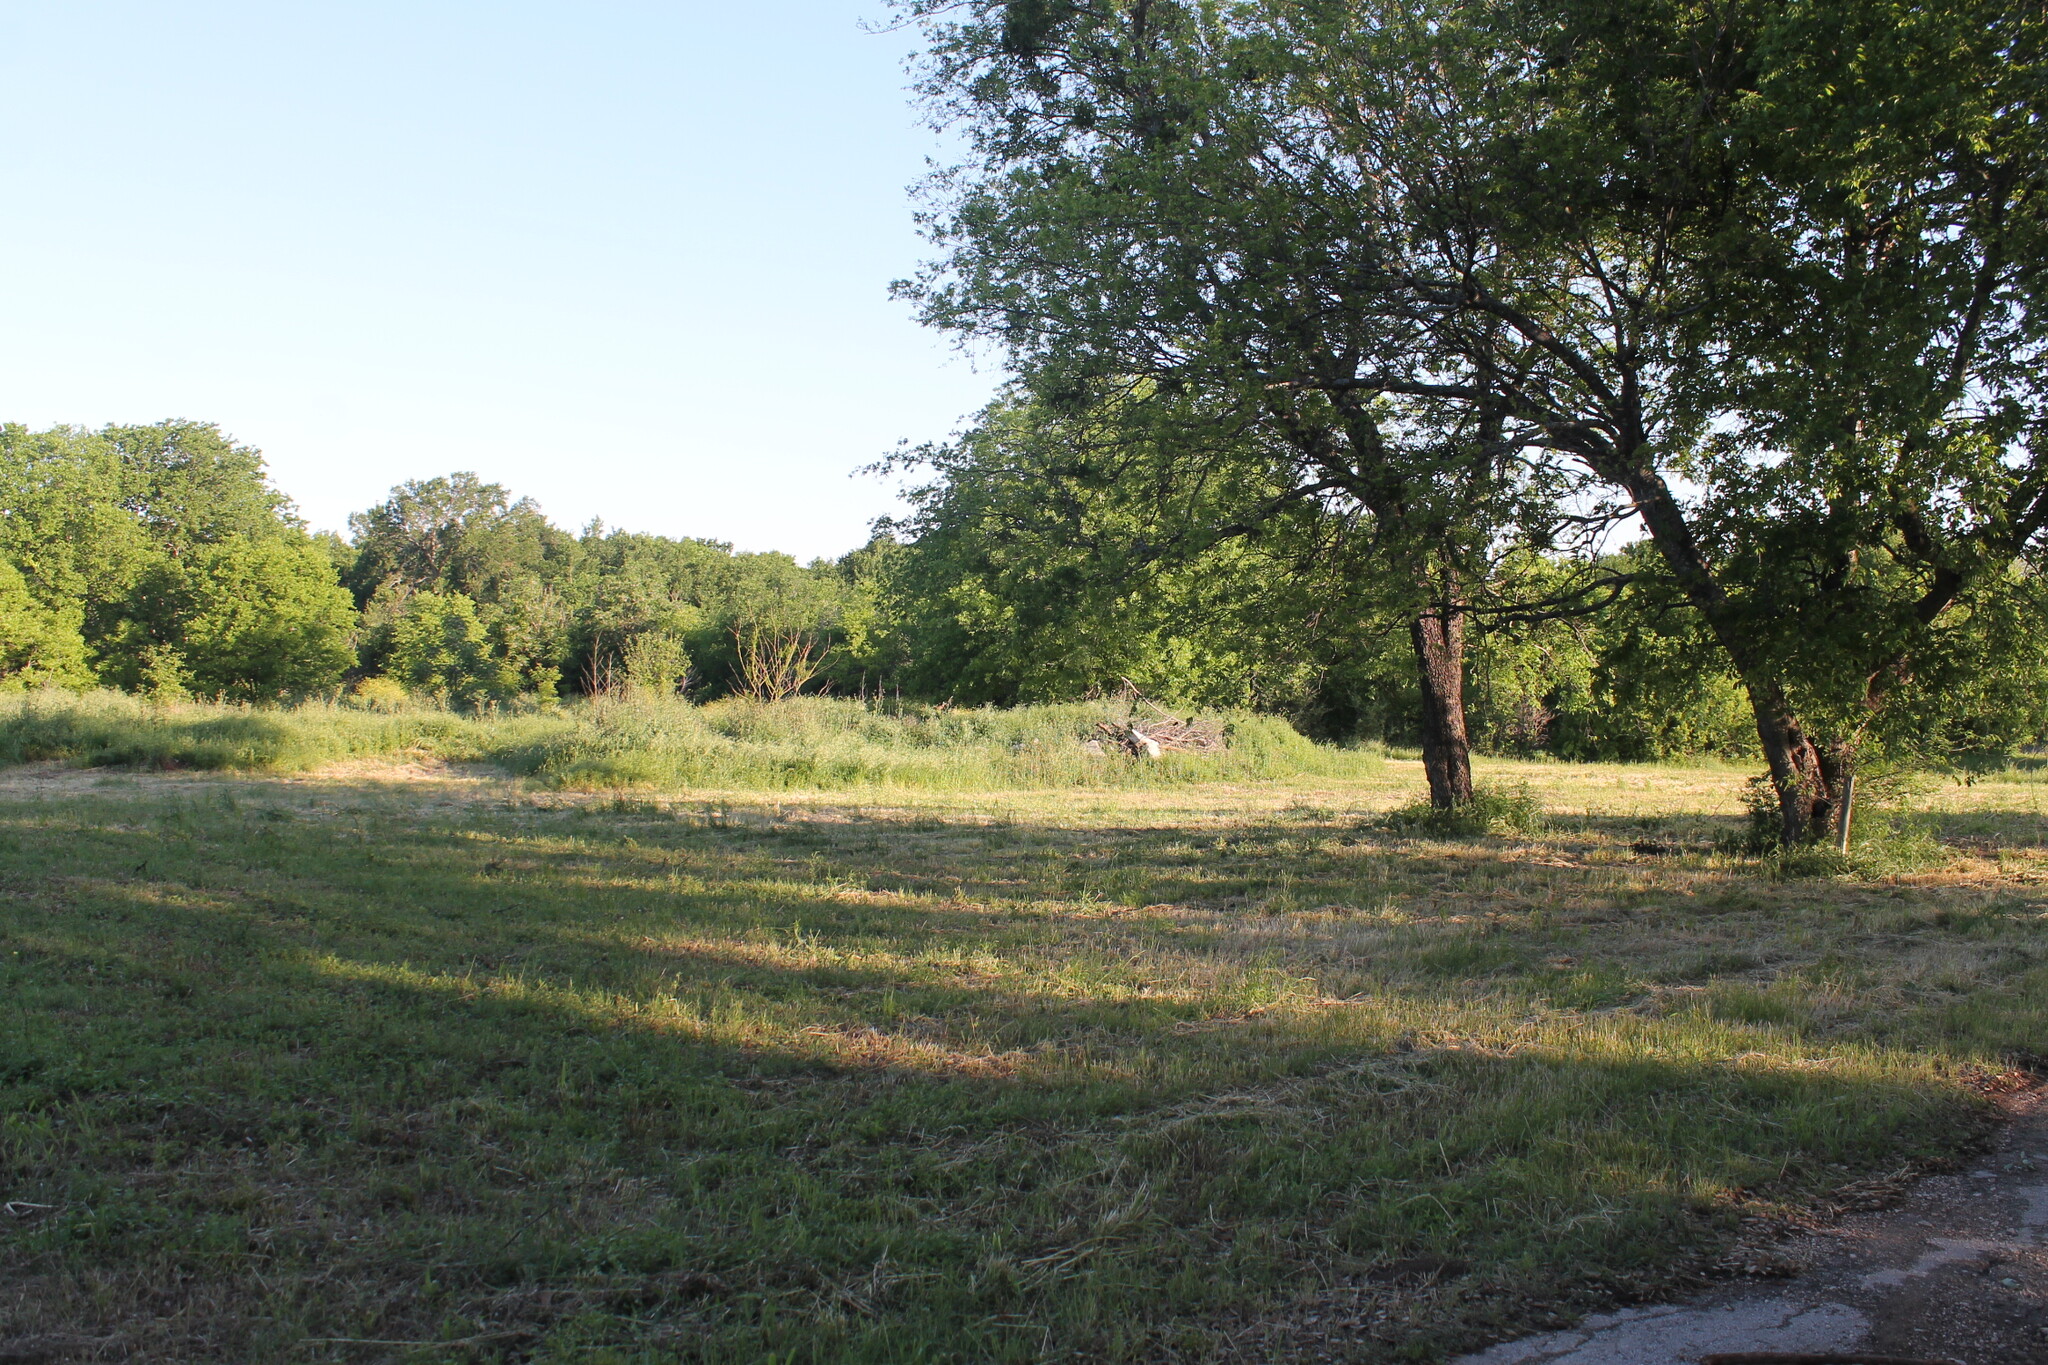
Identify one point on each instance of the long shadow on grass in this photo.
(873, 1122)
(874, 1207)
(1112, 917)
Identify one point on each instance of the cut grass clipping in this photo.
(308, 1070)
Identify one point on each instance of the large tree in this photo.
(1764, 273)
(1138, 236)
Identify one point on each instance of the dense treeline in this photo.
(160, 560)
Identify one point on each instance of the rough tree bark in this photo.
(1806, 775)
(1438, 634)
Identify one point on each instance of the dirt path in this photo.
(1958, 1270)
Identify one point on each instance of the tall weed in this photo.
(653, 742)
(1886, 839)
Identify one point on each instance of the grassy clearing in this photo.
(308, 1068)
(806, 743)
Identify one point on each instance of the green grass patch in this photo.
(291, 1067)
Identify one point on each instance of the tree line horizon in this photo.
(160, 560)
(1343, 335)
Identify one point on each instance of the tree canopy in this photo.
(1759, 278)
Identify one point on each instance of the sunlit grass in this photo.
(806, 743)
(404, 1054)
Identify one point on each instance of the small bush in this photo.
(657, 663)
(1883, 841)
(1882, 844)
(1762, 824)
(379, 694)
(1508, 810)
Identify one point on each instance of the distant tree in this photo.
(629, 586)
(251, 618)
(187, 484)
(180, 564)
(39, 646)
(698, 591)
(1055, 555)
(454, 534)
(440, 648)
(457, 535)
(67, 529)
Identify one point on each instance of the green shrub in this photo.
(1508, 810)
(440, 648)
(257, 618)
(39, 646)
(657, 663)
(1884, 841)
(379, 694)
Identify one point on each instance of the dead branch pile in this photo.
(1162, 733)
(1167, 734)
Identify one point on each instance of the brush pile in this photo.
(1151, 738)
(1161, 733)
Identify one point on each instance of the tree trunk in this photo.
(1439, 637)
(1807, 776)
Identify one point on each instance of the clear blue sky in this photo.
(629, 258)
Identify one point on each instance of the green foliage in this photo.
(657, 663)
(455, 535)
(459, 537)
(161, 675)
(1886, 844)
(379, 693)
(1060, 552)
(1505, 810)
(260, 618)
(160, 560)
(441, 649)
(696, 593)
(183, 568)
(1782, 303)
(39, 646)
(1889, 835)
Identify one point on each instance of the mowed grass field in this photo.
(393, 1061)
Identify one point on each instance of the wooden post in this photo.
(1848, 813)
